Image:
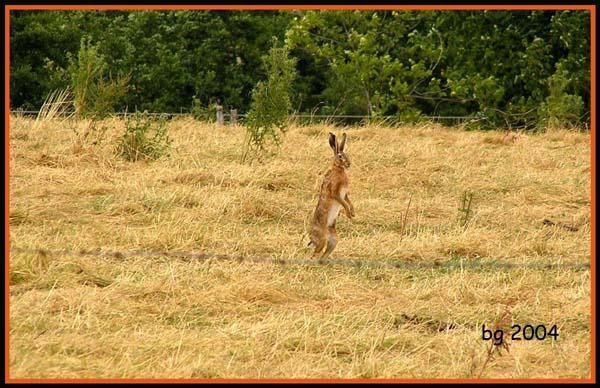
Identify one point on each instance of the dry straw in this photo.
(57, 105)
(157, 315)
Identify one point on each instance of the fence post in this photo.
(233, 116)
(220, 116)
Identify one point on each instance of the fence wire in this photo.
(465, 264)
(34, 113)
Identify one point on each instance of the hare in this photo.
(510, 137)
(333, 197)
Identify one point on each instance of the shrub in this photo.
(145, 137)
(203, 113)
(560, 109)
(95, 92)
(271, 102)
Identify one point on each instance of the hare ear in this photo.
(343, 143)
(333, 142)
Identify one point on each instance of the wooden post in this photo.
(220, 116)
(233, 116)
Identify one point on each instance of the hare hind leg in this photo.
(319, 244)
(331, 242)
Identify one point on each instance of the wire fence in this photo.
(300, 117)
(449, 265)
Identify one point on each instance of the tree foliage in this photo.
(494, 66)
(524, 68)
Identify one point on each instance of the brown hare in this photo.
(333, 197)
(510, 137)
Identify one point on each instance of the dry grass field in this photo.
(80, 314)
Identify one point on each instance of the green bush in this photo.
(271, 103)
(203, 113)
(95, 93)
(145, 137)
(560, 109)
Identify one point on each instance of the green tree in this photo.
(495, 66)
(374, 60)
(271, 103)
(498, 63)
(95, 92)
(38, 42)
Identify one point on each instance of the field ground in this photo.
(153, 316)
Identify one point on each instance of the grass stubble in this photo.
(80, 316)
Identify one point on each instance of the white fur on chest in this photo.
(334, 211)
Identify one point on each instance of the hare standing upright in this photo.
(333, 196)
